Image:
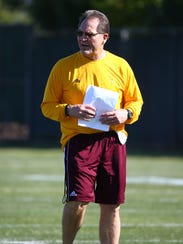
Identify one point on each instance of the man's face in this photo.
(91, 42)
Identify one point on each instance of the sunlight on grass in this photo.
(31, 185)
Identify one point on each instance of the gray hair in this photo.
(103, 26)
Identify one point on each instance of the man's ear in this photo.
(105, 37)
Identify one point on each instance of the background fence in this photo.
(156, 57)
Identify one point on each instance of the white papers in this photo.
(122, 137)
(104, 101)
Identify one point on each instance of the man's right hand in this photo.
(82, 111)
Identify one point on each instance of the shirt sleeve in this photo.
(51, 105)
(132, 96)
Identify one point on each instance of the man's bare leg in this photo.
(110, 224)
(72, 220)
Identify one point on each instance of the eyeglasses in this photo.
(87, 34)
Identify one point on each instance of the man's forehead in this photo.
(90, 23)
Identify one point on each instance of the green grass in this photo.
(31, 189)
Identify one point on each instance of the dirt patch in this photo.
(13, 131)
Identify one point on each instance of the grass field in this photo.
(31, 189)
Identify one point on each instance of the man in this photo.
(95, 161)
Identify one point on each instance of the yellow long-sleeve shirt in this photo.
(68, 82)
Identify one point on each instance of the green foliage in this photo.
(47, 13)
(57, 14)
(14, 11)
(173, 10)
(13, 3)
(131, 13)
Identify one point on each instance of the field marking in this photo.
(165, 225)
(155, 180)
(87, 241)
(154, 241)
(152, 180)
(47, 178)
(28, 242)
(45, 242)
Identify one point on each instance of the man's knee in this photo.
(77, 208)
(110, 208)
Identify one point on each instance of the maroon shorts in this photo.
(95, 168)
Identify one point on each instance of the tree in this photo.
(14, 11)
(58, 14)
(172, 10)
(13, 3)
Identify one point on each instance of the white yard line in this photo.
(154, 241)
(28, 242)
(152, 180)
(155, 180)
(148, 225)
(87, 241)
(46, 178)
(46, 242)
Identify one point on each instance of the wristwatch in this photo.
(129, 114)
(67, 110)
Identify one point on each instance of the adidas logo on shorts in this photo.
(73, 194)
